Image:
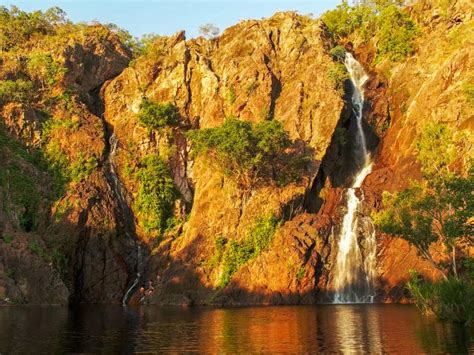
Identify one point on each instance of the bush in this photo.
(15, 90)
(154, 115)
(469, 93)
(343, 20)
(396, 33)
(156, 194)
(43, 68)
(18, 26)
(7, 238)
(81, 168)
(338, 53)
(20, 195)
(385, 21)
(451, 299)
(238, 253)
(242, 149)
(338, 75)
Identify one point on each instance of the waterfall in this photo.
(354, 272)
(120, 193)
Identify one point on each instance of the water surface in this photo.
(290, 329)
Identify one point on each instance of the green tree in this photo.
(155, 115)
(248, 152)
(439, 209)
(42, 67)
(396, 33)
(15, 90)
(156, 194)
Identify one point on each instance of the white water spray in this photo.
(355, 269)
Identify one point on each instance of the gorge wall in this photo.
(90, 245)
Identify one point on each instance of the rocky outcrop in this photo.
(274, 69)
(257, 70)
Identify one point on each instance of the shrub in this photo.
(7, 238)
(300, 274)
(396, 33)
(20, 194)
(385, 21)
(81, 168)
(469, 93)
(437, 210)
(231, 95)
(43, 68)
(18, 26)
(36, 248)
(343, 20)
(15, 90)
(154, 115)
(338, 53)
(451, 299)
(238, 253)
(338, 75)
(241, 149)
(156, 194)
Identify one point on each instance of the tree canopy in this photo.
(439, 209)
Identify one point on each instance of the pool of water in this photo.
(288, 329)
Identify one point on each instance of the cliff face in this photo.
(257, 70)
(428, 87)
(90, 244)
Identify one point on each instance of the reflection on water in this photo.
(296, 329)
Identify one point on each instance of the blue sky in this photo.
(167, 17)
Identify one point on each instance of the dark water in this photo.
(302, 329)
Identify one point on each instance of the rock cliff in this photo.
(87, 241)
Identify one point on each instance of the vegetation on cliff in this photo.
(249, 152)
(435, 216)
(155, 115)
(234, 254)
(391, 26)
(156, 194)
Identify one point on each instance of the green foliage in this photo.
(20, 195)
(18, 26)
(251, 87)
(56, 161)
(7, 238)
(50, 125)
(231, 95)
(44, 68)
(338, 53)
(15, 90)
(219, 249)
(468, 92)
(156, 194)
(439, 209)
(82, 168)
(57, 165)
(451, 299)
(154, 115)
(300, 274)
(242, 149)
(35, 247)
(383, 20)
(396, 33)
(338, 75)
(237, 253)
(343, 20)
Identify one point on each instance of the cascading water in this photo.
(354, 273)
(127, 214)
